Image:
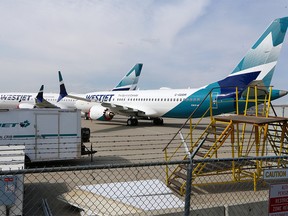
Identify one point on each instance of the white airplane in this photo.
(50, 100)
(256, 68)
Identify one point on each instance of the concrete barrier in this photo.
(216, 211)
(257, 208)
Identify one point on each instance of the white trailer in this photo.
(47, 134)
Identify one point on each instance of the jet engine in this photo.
(97, 113)
(25, 106)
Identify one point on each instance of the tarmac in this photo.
(117, 143)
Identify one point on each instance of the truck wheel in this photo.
(158, 121)
(135, 122)
(129, 122)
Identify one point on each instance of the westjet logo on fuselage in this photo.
(16, 97)
(100, 97)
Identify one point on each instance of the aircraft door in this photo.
(214, 100)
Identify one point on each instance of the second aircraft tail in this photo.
(130, 80)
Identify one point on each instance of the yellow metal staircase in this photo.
(237, 136)
(277, 137)
(207, 146)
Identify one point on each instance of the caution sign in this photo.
(278, 200)
(273, 174)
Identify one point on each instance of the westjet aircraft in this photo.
(256, 68)
(50, 100)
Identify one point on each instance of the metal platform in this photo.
(253, 134)
(259, 120)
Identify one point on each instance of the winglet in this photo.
(63, 92)
(39, 97)
(130, 80)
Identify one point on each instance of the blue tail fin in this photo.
(39, 97)
(63, 92)
(130, 80)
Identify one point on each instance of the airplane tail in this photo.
(130, 80)
(63, 93)
(39, 96)
(258, 65)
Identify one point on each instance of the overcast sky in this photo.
(182, 43)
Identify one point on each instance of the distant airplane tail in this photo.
(39, 96)
(258, 65)
(63, 92)
(130, 80)
(40, 101)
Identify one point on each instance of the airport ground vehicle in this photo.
(47, 134)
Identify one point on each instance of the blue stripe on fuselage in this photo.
(186, 107)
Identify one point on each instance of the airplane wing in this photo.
(261, 89)
(44, 104)
(40, 102)
(128, 111)
(79, 98)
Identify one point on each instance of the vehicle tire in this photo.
(135, 122)
(129, 122)
(158, 121)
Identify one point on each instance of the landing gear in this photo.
(158, 121)
(132, 122)
(86, 116)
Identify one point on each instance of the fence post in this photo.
(188, 187)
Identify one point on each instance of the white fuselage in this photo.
(25, 100)
(152, 103)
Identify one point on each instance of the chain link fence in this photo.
(226, 187)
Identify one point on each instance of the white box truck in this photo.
(47, 134)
